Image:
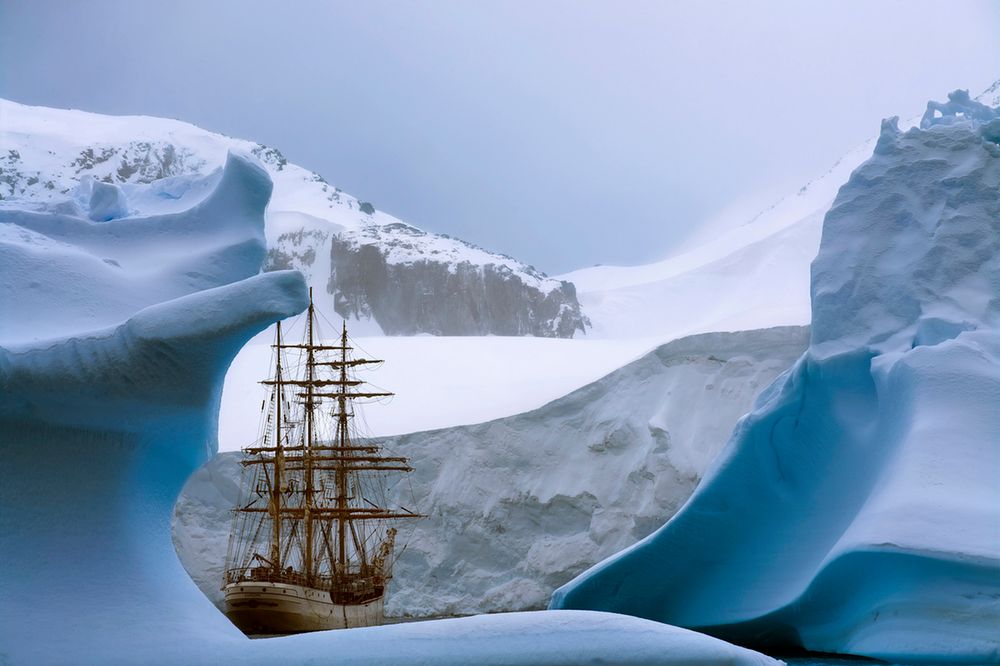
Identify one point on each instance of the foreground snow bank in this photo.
(857, 508)
(103, 420)
(518, 506)
(546, 638)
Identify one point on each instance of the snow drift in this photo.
(519, 505)
(369, 267)
(856, 508)
(109, 404)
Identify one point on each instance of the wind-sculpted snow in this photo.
(54, 263)
(518, 506)
(116, 338)
(856, 508)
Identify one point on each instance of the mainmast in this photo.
(309, 404)
(278, 461)
(342, 444)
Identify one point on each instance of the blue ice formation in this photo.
(115, 337)
(856, 509)
(107, 202)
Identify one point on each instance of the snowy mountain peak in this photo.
(372, 267)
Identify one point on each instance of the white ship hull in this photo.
(283, 608)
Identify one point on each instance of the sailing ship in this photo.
(312, 540)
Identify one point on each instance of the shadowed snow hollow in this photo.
(856, 508)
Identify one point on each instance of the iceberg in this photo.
(115, 339)
(856, 508)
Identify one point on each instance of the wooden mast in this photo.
(278, 463)
(308, 457)
(341, 473)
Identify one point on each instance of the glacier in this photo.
(856, 508)
(116, 336)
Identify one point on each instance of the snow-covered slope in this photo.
(103, 421)
(438, 381)
(856, 508)
(364, 264)
(734, 274)
(728, 278)
(518, 506)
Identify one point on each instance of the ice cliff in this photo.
(363, 263)
(116, 335)
(856, 509)
(518, 506)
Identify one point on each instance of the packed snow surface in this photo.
(856, 508)
(518, 506)
(438, 381)
(105, 411)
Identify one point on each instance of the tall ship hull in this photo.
(285, 608)
(312, 542)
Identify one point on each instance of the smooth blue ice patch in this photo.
(107, 202)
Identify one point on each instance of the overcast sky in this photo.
(563, 133)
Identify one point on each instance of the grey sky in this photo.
(563, 133)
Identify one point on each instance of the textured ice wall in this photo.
(856, 508)
(116, 338)
(520, 505)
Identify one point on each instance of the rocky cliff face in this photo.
(409, 282)
(363, 263)
(455, 298)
